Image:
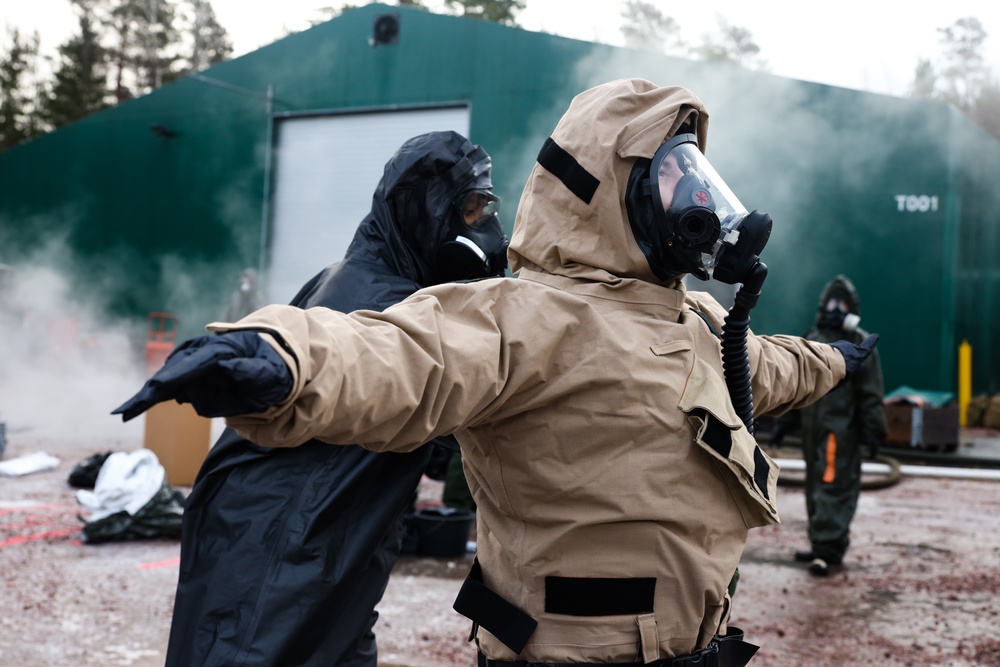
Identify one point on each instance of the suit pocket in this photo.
(749, 473)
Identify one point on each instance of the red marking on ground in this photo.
(37, 536)
(30, 524)
(45, 521)
(36, 508)
(163, 563)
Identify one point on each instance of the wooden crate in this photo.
(922, 428)
(180, 438)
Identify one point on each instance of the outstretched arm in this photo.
(389, 380)
(220, 376)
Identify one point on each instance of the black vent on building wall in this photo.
(385, 31)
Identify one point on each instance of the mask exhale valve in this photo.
(740, 263)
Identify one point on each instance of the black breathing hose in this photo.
(735, 362)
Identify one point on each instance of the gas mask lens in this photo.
(477, 246)
(700, 213)
(477, 207)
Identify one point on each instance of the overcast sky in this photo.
(871, 45)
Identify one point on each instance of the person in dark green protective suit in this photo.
(834, 429)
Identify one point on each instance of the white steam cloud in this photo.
(63, 366)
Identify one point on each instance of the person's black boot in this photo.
(819, 567)
(804, 556)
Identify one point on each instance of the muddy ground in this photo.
(920, 586)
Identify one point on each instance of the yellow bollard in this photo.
(964, 381)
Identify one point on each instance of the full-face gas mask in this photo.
(476, 246)
(687, 220)
(836, 314)
(470, 242)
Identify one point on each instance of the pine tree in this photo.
(210, 41)
(961, 76)
(141, 40)
(80, 82)
(924, 81)
(645, 27)
(496, 11)
(123, 48)
(730, 44)
(964, 71)
(18, 83)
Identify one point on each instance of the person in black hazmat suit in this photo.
(833, 429)
(286, 552)
(246, 299)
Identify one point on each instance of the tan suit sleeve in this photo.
(790, 372)
(388, 381)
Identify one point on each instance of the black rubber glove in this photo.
(229, 374)
(872, 445)
(855, 355)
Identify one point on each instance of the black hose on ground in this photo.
(867, 483)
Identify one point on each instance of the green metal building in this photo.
(269, 161)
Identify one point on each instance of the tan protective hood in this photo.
(593, 149)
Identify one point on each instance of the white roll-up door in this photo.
(326, 168)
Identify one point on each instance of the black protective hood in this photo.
(839, 286)
(412, 207)
(392, 251)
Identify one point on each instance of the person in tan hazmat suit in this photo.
(615, 477)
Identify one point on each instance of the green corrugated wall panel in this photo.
(976, 274)
(830, 181)
(159, 218)
(181, 216)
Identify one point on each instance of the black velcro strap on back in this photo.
(734, 651)
(597, 596)
(761, 471)
(564, 166)
(503, 620)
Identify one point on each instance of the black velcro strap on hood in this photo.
(564, 166)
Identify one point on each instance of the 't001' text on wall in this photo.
(916, 203)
